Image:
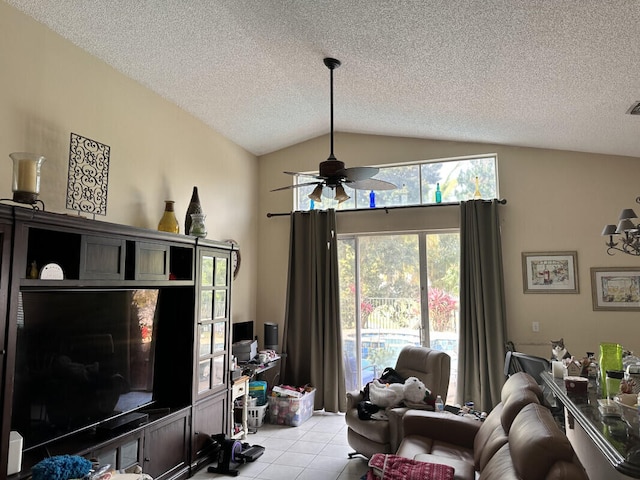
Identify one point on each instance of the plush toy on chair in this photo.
(391, 395)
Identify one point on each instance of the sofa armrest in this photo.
(439, 426)
(353, 398)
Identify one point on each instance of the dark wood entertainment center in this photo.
(191, 385)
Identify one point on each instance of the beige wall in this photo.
(50, 88)
(557, 201)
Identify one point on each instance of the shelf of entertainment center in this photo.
(88, 442)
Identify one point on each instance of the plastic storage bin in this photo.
(255, 415)
(291, 411)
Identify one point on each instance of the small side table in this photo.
(240, 389)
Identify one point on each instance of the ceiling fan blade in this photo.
(288, 187)
(312, 175)
(356, 174)
(371, 184)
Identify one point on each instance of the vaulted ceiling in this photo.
(540, 73)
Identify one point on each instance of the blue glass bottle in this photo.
(372, 199)
(438, 194)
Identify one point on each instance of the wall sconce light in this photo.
(341, 195)
(26, 176)
(629, 232)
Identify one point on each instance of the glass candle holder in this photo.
(198, 228)
(26, 176)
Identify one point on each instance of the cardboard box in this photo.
(291, 411)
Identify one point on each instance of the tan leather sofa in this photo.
(368, 437)
(518, 440)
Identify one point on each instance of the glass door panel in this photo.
(221, 272)
(220, 305)
(205, 339)
(204, 375)
(397, 290)
(443, 268)
(380, 303)
(219, 336)
(206, 305)
(218, 370)
(206, 279)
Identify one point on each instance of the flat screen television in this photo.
(82, 357)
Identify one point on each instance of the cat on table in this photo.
(558, 351)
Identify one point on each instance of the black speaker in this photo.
(271, 336)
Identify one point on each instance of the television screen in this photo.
(81, 357)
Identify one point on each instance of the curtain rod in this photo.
(386, 209)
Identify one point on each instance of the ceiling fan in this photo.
(332, 174)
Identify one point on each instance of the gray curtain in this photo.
(312, 336)
(482, 308)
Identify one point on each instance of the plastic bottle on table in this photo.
(439, 404)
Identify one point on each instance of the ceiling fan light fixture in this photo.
(341, 195)
(316, 195)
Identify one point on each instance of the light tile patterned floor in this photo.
(315, 450)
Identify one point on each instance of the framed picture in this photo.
(615, 288)
(550, 272)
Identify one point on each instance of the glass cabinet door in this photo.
(214, 322)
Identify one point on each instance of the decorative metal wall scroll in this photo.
(88, 175)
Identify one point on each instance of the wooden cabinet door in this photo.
(102, 258)
(165, 447)
(209, 418)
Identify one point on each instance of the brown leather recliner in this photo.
(368, 437)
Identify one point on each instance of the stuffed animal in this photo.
(61, 467)
(389, 395)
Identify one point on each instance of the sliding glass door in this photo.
(395, 290)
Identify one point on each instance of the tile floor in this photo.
(315, 450)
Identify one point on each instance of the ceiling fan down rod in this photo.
(331, 64)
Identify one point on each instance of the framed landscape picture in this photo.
(550, 272)
(615, 288)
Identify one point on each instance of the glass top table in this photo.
(616, 436)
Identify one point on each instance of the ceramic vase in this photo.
(169, 222)
(194, 207)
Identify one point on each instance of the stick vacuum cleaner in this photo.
(232, 453)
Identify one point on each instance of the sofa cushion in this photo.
(519, 381)
(413, 445)
(489, 439)
(462, 470)
(451, 450)
(514, 404)
(375, 430)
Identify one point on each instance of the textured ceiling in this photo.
(541, 73)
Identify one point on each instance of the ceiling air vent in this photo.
(634, 109)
